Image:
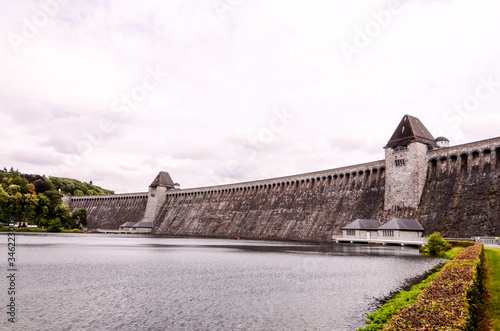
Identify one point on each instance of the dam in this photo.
(453, 190)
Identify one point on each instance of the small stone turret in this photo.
(406, 164)
(442, 142)
(156, 194)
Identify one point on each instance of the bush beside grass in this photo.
(436, 245)
(452, 301)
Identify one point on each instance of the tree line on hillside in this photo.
(38, 200)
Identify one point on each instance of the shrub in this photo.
(55, 225)
(436, 244)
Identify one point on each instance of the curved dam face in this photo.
(452, 190)
(110, 211)
(309, 207)
(462, 194)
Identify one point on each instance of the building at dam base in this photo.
(450, 189)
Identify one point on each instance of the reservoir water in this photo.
(131, 282)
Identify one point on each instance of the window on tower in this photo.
(400, 162)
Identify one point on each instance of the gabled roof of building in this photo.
(163, 179)
(361, 224)
(402, 224)
(143, 225)
(409, 130)
(127, 225)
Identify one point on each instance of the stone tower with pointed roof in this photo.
(406, 164)
(156, 194)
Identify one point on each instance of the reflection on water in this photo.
(124, 282)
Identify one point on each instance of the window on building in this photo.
(401, 148)
(351, 232)
(400, 163)
(388, 233)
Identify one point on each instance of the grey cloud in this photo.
(34, 157)
(193, 151)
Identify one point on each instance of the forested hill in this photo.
(37, 199)
(70, 186)
(65, 186)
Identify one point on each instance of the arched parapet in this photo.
(453, 164)
(315, 180)
(464, 163)
(432, 168)
(82, 199)
(476, 157)
(487, 160)
(443, 166)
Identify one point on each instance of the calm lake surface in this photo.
(131, 282)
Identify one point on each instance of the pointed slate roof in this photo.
(402, 224)
(409, 130)
(361, 224)
(163, 179)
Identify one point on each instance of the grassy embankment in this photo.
(6, 229)
(452, 301)
(493, 286)
(379, 318)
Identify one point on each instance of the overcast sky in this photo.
(223, 91)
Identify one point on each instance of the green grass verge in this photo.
(453, 253)
(493, 263)
(379, 318)
(6, 229)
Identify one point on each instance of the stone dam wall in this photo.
(110, 211)
(460, 198)
(462, 193)
(308, 207)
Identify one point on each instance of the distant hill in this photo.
(70, 186)
(37, 200)
(67, 186)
